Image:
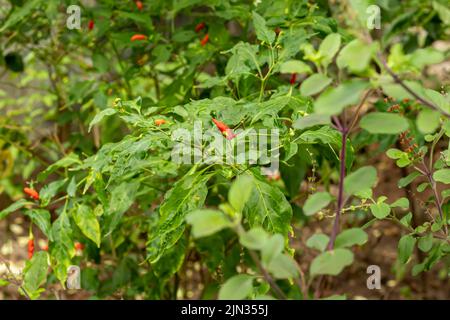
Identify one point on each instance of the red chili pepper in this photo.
(224, 129)
(139, 5)
(79, 246)
(138, 37)
(159, 122)
(199, 27)
(32, 193)
(205, 40)
(293, 78)
(30, 248)
(91, 24)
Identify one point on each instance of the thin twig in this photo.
(409, 90)
(274, 287)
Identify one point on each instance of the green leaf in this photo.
(19, 14)
(421, 187)
(360, 8)
(361, 179)
(316, 202)
(331, 262)
(314, 84)
(65, 162)
(355, 56)
(401, 203)
(426, 56)
(442, 11)
(329, 47)
(350, 237)
(72, 187)
(14, 207)
(428, 121)
(254, 239)
(318, 241)
(272, 247)
(394, 153)
(380, 210)
(49, 191)
(122, 197)
(86, 220)
(35, 274)
(295, 66)
(406, 248)
(268, 207)
(311, 120)
(62, 231)
(334, 100)
(3, 283)
(207, 222)
(187, 194)
(403, 182)
(425, 243)
(384, 123)
(283, 266)
(99, 116)
(240, 192)
(262, 32)
(41, 218)
(406, 220)
(442, 175)
(237, 287)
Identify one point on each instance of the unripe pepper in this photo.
(137, 37)
(205, 40)
(32, 193)
(199, 27)
(224, 129)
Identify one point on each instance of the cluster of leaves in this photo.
(108, 178)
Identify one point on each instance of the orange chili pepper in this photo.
(30, 248)
(79, 246)
(224, 129)
(139, 5)
(159, 122)
(138, 37)
(199, 27)
(32, 193)
(205, 40)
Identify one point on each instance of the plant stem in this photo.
(273, 286)
(409, 90)
(437, 201)
(340, 200)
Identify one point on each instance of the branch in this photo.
(275, 288)
(409, 90)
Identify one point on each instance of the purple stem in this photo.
(340, 200)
